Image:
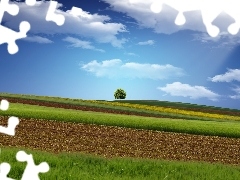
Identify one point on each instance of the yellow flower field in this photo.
(168, 110)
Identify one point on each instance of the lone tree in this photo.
(120, 94)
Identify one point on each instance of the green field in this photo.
(214, 128)
(68, 166)
(79, 166)
(144, 102)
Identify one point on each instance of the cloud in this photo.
(230, 75)
(223, 40)
(149, 42)
(160, 23)
(38, 39)
(77, 43)
(131, 54)
(237, 91)
(164, 22)
(115, 68)
(77, 22)
(186, 90)
(235, 96)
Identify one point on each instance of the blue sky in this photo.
(114, 44)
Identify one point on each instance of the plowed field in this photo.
(110, 141)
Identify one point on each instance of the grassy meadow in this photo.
(68, 166)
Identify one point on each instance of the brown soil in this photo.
(108, 141)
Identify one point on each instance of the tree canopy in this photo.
(120, 94)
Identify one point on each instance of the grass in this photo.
(112, 105)
(142, 102)
(77, 166)
(213, 128)
(175, 104)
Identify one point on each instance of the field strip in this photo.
(110, 141)
(153, 107)
(225, 129)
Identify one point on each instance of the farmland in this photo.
(149, 132)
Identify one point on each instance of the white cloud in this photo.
(131, 54)
(235, 96)
(80, 44)
(115, 68)
(237, 91)
(186, 90)
(81, 24)
(164, 22)
(230, 75)
(223, 40)
(160, 23)
(149, 42)
(38, 39)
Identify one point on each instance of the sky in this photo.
(104, 45)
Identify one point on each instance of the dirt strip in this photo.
(52, 136)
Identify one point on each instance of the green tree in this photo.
(120, 94)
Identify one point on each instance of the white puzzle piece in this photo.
(31, 171)
(52, 16)
(210, 10)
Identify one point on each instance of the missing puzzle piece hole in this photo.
(32, 170)
(180, 19)
(213, 31)
(4, 105)
(30, 2)
(13, 9)
(51, 16)
(12, 123)
(22, 156)
(4, 170)
(233, 28)
(24, 27)
(156, 7)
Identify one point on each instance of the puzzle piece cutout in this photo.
(12, 121)
(209, 10)
(7, 35)
(52, 16)
(12, 9)
(181, 6)
(4, 170)
(30, 2)
(4, 105)
(31, 171)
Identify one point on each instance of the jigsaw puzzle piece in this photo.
(4, 170)
(4, 105)
(210, 11)
(12, 123)
(231, 7)
(12, 9)
(31, 171)
(155, 7)
(181, 6)
(30, 2)
(11, 36)
(51, 16)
